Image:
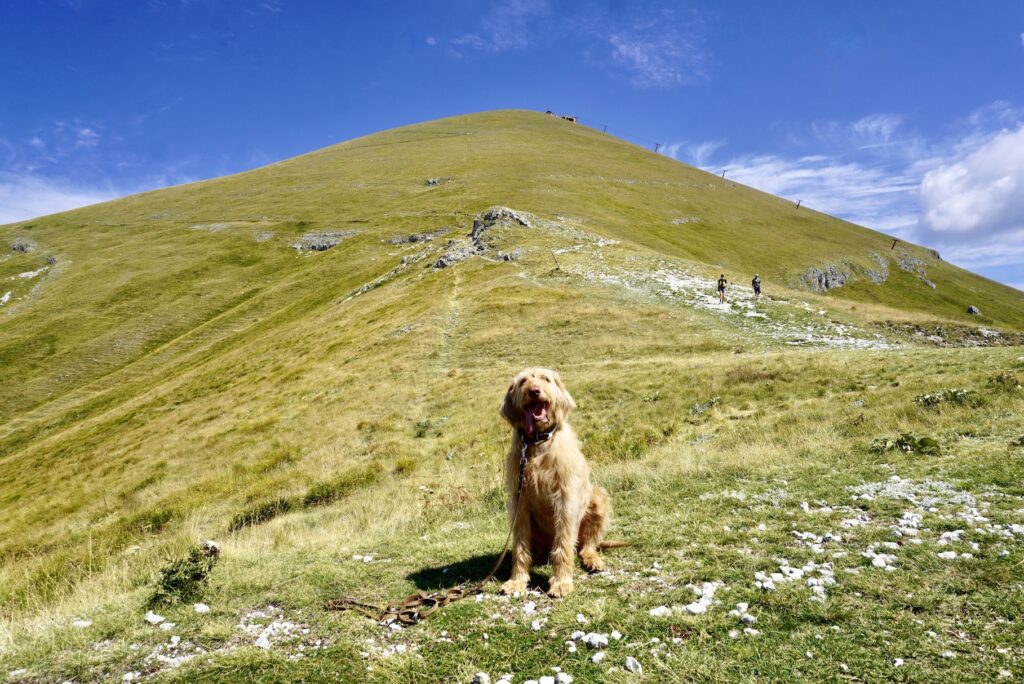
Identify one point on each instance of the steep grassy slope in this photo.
(180, 372)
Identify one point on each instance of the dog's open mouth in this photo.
(536, 414)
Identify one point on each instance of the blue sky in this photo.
(903, 116)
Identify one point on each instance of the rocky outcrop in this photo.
(22, 244)
(320, 242)
(416, 237)
(973, 310)
(826, 278)
(881, 274)
(479, 242)
(912, 264)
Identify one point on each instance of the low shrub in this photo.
(958, 397)
(908, 443)
(185, 579)
(1004, 381)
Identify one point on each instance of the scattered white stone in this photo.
(481, 678)
(748, 619)
(563, 678)
(696, 608)
(167, 626)
(598, 657)
(536, 625)
(633, 665)
(581, 618)
(616, 634)
(808, 654)
(131, 676)
(595, 640)
(844, 667)
(577, 635)
(529, 608)
(81, 624)
(14, 674)
(1005, 674)
(948, 655)
(750, 631)
(153, 619)
(946, 555)
(897, 662)
(660, 611)
(201, 608)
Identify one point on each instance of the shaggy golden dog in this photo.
(562, 511)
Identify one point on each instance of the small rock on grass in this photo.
(201, 608)
(481, 678)
(152, 618)
(633, 665)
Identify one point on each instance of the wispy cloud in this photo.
(963, 195)
(27, 196)
(697, 154)
(660, 50)
(860, 193)
(508, 25)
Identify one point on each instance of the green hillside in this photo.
(304, 363)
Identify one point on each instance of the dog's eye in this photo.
(545, 378)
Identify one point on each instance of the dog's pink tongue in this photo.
(538, 414)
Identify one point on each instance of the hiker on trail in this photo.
(756, 282)
(722, 282)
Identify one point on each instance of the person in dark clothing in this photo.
(756, 282)
(722, 282)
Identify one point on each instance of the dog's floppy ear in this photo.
(568, 402)
(509, 410)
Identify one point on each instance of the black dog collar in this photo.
(537, 438)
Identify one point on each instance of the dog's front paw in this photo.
(559, 588)
(514, 586)
(592, 562)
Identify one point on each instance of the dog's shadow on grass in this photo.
(471, 571)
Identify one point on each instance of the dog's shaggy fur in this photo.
(562, 511)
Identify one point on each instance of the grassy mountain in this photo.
(304, 362)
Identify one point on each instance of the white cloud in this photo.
(24, 197)
(697, 154)
(507, 26)
(659, 51)
(862, 194)
(431, 41)
(981, 194)
(963, 195)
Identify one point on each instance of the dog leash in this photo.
(422, 604)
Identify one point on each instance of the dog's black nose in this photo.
(535, 391)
